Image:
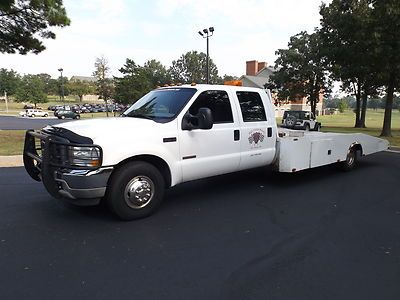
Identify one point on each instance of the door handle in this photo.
(236, 135)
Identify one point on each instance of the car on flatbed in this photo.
(300, 119)
(174, 135)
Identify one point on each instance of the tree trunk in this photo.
(358, 106)
(80, 98)
(363, 110)
(387, 120)
(105, 100)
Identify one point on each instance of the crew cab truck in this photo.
(173, 135)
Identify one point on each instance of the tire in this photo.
(62, 117)
(129, 181)
(318, 127)
(351, 160)
(307, 127)
(32, 116)
(77, 117)
(290, 121)
(45, 115)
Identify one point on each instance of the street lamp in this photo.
(62, 86)
(206, 34)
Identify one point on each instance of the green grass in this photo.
(11, 142)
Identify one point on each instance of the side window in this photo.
(251, 106)
(219, 104)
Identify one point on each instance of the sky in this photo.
(166, 29)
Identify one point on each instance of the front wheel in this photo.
(136, 190)
(62, 117)
(307, 127)
(77, 117)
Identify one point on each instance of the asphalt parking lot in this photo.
(23, 123)
(318, 234)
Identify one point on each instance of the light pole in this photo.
(62, 86)
(206, 34)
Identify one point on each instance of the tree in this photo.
(80, 88)
(31, 89)
(156, 73)
(191, 67)
(9, 81)
(301, 70)
(133, 85)
(24, 23)
(347, 31)
(105, 86)
(139, 80)
(386, 15)
(342, 106)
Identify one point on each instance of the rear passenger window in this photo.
(219, 104)
(252, 106)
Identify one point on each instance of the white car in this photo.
(33, 113)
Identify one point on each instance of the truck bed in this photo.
(299, 150)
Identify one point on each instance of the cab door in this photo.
(213, 151)
(257, 129)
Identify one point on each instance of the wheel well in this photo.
(357, 147)
(159, 163)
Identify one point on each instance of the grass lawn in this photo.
(374, 120)
(11, 142)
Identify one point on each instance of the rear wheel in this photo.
(136, 190)
(351, 160)
(62, 117)
(77, 117)
(32, 116)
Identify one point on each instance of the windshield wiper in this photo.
(140, 116)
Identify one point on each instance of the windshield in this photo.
(160, 105)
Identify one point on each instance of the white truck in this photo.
(173, 135)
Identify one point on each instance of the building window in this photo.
(252, 106)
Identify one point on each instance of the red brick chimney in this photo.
(253, 67)
(261, 65)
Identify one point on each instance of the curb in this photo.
(11, 161)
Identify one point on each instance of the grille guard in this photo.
(53, 156)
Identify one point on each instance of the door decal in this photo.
(256, 137)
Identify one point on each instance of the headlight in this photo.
(84, 156)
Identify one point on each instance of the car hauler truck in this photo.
(173, 135)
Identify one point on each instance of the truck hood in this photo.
(111, 127)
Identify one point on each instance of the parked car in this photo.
(33, 113)
(299, 119)
(67, 114)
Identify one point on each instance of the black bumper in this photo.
(45, 159)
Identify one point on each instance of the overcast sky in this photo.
(164, 30)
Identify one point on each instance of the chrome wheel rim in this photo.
(139, 192)
(350, 158)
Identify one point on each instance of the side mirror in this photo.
(202, 120)
(205, 118)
